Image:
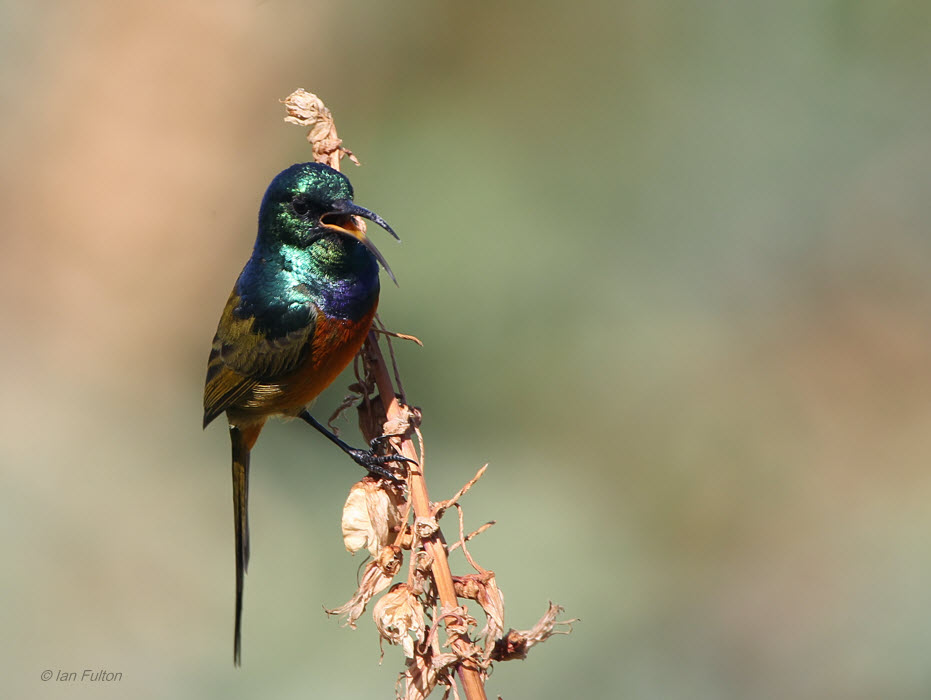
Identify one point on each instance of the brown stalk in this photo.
(469, 672)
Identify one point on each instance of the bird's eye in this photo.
(300, 206)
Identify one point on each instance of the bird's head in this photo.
(308, 201)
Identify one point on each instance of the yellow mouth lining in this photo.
(346, 223)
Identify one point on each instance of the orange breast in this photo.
(335, 343)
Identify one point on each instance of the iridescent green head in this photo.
(309, 201)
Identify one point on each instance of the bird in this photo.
(298, 313)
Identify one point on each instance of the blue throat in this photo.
(280, 282)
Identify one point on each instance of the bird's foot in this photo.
(376, 464)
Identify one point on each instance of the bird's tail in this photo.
(242, 440)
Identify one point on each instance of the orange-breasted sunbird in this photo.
(298, 314)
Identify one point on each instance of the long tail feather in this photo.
(241, 520)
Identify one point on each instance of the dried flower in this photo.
(426, 527)
(515, 644)
(399, 618)
(306, 109)
(423, 674)
(483, 589)
(370, 517)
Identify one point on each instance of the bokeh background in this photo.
(671, 262)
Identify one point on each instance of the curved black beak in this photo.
(349, 208)
(346, 206)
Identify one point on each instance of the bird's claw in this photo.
(375, 463)
(376, 442)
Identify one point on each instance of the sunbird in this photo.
(298, 313)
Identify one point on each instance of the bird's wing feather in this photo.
(243, 357)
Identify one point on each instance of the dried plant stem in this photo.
(469, 672)
(372, 518)
(306, 109)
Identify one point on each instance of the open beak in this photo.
(342, 217)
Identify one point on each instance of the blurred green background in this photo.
(670, 262)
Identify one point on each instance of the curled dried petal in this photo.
(377, 575)
(458, 621)
(306, 109)
(422, 562)
(401, 422)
